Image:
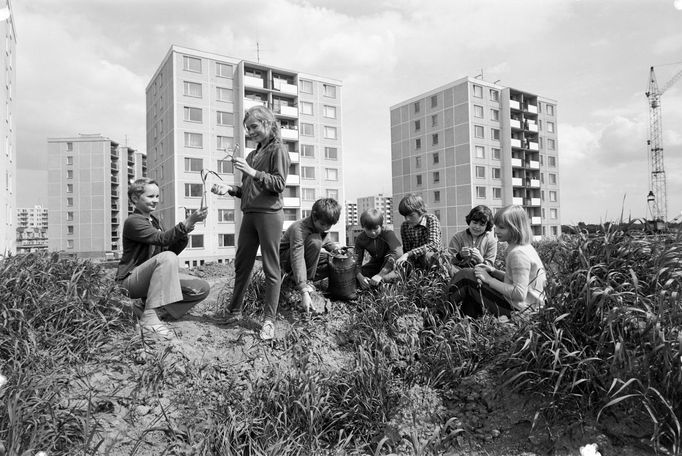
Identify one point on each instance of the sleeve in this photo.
(236, 194)
(433, 243)
(407, 244)
(454, 247)
(275, 178)
(138, 229)
(297, 257)
(395, 249)
(359, 252)
(490, 254)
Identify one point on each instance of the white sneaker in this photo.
(267, 332)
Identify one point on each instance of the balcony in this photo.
(290, 134)
(517, 182)
(513, 104)
(535, 221)
(533, 145)
(535, 201)
(291, 201)
(251, 102)
(532, 108)
(535, 183)
(532, 127)
(252, 81)
(517, 162)
(515, 123)
(284, 87)
(517, 201)
(534, 164)
(293, 179)
(515, 142)
(294, 157)
(289, 111)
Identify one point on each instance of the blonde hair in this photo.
(263, 114)
(516, 220)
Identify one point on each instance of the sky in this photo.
(82, 66)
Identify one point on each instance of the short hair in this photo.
(411, 203)
(483, 214)
(371, 218)
(326, 210)
(263, 114)
(516, 220)
(136, 188)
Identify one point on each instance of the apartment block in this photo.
(8, 153)
(88, 177)
(380, 202)
(474, 142)
(352, 216)
(32, 224)
(195, 107)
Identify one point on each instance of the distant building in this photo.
(88, 178)
(8, 153)
(380, 202)
(351, 213)
(32, 224)
(474, 142)
(195, 107)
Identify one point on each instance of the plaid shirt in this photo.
(422, 238)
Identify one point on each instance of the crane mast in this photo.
(657, 198)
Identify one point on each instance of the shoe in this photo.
(267, 332)
(157, 330)
(233, 317)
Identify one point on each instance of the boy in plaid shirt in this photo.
(420, 232)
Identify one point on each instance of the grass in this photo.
(607, 345)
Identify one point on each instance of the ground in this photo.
(477, 417)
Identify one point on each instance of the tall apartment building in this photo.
(32, 224)
(352, 216)
(195, 106)
(8, 153)
(473, 142)
(88, 178)
(381, 202)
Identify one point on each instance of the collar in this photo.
(422, 222)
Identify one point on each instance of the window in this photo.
(307, 150)
(69, 229)
(226, 215)
(495, 114)
(539, 125)
(333, 193)
(329, 91)
(494, 95)
(330, 132)
(495, 153)
(480, 172)
(417, 125)
(331, 174)
(478, 132)
(307, 172)
(194, 164)
(480, 192)
(550, 127)
(69, 147)
(226, 240)
(552, 179)
(434, 139)
(417, 162)
(552, 196)
(434, 101)
(223, 70)
(436, 158)
(540, 143)
(224, 118)
(69, 202)
(418, 143)
(434, 120)
(436, 196)
(436, 177)
(330, 111)
(223, 94)
(416, 107)
(69, 188)
(478, 91)
(549, 109)
(497, 193)
(553, 213)
(495, 133)
(69, 174)
(193, 190)
(542, 178)
(479, 152)
(306, 108)
(419, 179)
(69, 244)
(193, 114)
(497, 173)
(551, 161)
(305, 213)
(196, 241)
(478, 111)
(69, 160)
(225, 167)
(307, 129)
(305, 86)
(224, 143)
(330, 153)
(308, 194)
(191, 64)
(195, 140)
(69, 216)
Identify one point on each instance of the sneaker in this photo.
(267, 332)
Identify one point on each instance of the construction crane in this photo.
(657, 199)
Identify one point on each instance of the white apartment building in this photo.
(195, 106)
(380, 202)
(8, 153)
(32, 224)
(474, 142)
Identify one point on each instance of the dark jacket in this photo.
(383, 246)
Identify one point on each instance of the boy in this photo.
(420, 232)
(383, 247)
(300, 250)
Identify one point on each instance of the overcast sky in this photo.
(83, 65)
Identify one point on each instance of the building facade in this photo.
(88, 177)
(195, 106)
(352, 217)
(8, 153)
(32, 224)
(380, 202)
(473, 142)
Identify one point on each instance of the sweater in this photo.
(524, 278)
(486, 243)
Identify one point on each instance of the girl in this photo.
(520, 288)
(264, 175)
(477, 243)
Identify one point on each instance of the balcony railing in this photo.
(290, 111)
(535, 183)
(517, 182)
(294, 157)
(531, 108)
(533, 145)
(513, 104)
(284, 87)
(517, 162)
(515, 123)
(515, 142)
(535, 221)
(291, 201)
(535, 201)
(517, 201)
(534, 164)
(293, 179)
(532, 127)
(250, 103)
(290, 134)
(252, 81)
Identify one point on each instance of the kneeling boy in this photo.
(383, 247)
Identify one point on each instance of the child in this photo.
(149, 265)
(477, 243)
(520, 288)
(383, 247)
(301, 247)
(420, 232)
(264, 175)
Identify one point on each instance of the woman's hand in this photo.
(241, 165)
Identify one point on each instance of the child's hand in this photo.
(363, 281)
(475, 255)
(306, 302)
(401, 260)
(481, 273)
(221, 189)
(376, 280)
(197, 216)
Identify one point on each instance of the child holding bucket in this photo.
(383, 248)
